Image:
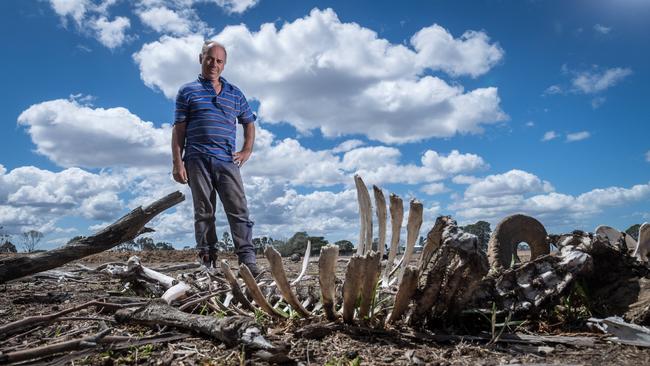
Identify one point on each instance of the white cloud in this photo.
(513, 182)
(164, 20)
(530, 124)
(497, 196)
(553, 89)
(111, 33)
(322, 74)
(647, 156)
(598, 102)
(433, 188)
(464, 179)
(91, 17)
(347, 146)
(577, 136)
(236, 6)
(471, 54)
(32, 198)
(602, 29)
(72, 134)
(590, 82)
(550, 135)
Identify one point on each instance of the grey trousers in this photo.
(207, 178)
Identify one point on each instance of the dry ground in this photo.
(32, 296)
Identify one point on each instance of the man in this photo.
(207, 112)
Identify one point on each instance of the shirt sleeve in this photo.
(246, 114)
(182, 112)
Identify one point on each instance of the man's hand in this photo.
(242, 157)
(179, 173)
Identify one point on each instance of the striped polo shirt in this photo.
(211, 118)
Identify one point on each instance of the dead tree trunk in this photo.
(127, 228)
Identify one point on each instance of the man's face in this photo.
(212, 63)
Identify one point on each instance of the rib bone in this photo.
(404, 293)
(643, 246)
(365, 215)
(327, 279)
(234, 286)
(256, 293)
(396, 216)
(380, 204)
(412, 233)
(280, 276)
(305, 263)
(370, 276)
(351, 287)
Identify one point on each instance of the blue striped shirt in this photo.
(211, 118)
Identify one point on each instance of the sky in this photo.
(478, 109)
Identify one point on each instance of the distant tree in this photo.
(8, 247)
(145, 243)
(633, 231)
(227, 241)
(127, 246)
(257, 245)
(345, 246)
(4, 235)
(421, 241)
(163, 245)
(294, 245)
(317, 242)
(480, 229)
(30, 240)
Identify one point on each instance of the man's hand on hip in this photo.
(241, 157)
(179, 173)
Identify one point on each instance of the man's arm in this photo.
(178, 142)
(249, 139)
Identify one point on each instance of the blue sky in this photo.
(479, 109)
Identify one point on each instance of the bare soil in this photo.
(32, 296)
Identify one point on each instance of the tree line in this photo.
(296, 244)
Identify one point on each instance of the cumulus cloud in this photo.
(647, 156)
(111, 33)
(513, 182)
(497, 196)
(433, 188)
(235, 6)
(320, 73)
(550, 135)
(577, 136)
(33, 198)
(72, 134)
(91, 17)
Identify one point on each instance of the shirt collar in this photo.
(222, 80)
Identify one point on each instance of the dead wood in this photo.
(233, 330)
(29, 322)
(126, 228)
(51, 349)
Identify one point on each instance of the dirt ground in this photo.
(33, 295)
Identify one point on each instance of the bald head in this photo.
(209, 44)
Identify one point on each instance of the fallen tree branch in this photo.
(126, 228)
(232, 330)
(50, 349)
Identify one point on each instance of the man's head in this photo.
(213, 60)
